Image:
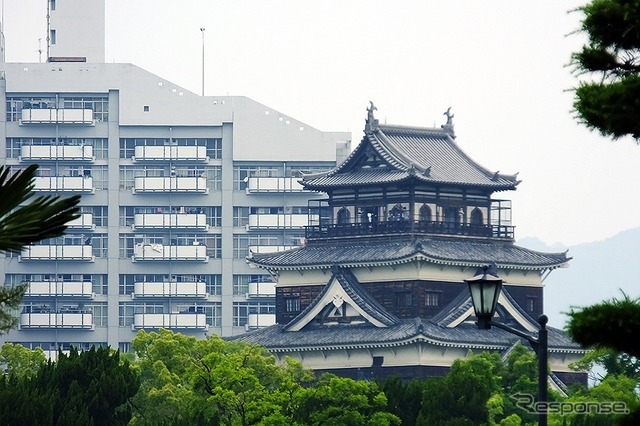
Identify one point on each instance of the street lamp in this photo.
(202, 31)
(485, 287)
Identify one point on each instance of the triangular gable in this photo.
(505, 301)
(342, 301)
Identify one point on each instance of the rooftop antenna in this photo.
(2, 34)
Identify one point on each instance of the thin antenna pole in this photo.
(202, 31)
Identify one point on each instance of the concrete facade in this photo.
(176, 189)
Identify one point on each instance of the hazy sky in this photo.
(500, 65)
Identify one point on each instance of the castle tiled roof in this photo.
(449, 251)
(426, 154)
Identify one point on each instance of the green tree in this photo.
(91, 387)
(25, 219)
(189, 381)
(610, 102)
(613, 324)
(21, 361)
(341, 401)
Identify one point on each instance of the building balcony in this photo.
(64, 183)
(57, 152)
(256, 321)
(85, 221)
(196, 221)
(278, 221)
(182, 320)
(170, 289)
(262, 289)
(56, 115)
(269, 249)
(257, 184)
(60, 288)
(151, 252)
(170, 184)
(170, 153)
(409, 227)
(72, 319)
(58, 252)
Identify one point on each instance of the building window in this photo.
(53, 37)
(476, 217)
(243, 243)
(432, 298)
(425, 213)
(292, 304)
(531, 304)
(145, 108)
(404, 299)
(343, 216)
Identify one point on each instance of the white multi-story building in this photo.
(176, 190)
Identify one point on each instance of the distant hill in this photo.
(597, 271)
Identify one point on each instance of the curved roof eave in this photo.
(407, 259)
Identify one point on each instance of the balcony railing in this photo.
(170, 289)
(262, 289)
(58, 252)
(275, 221)
(260, 321)
(170, 184)
(85, 221)
(57, 152)
(406, 226)
(170, 220)
(60, 288)
(144, 252)
(182, 320)
(72, 319)
(170, 152)
(56, 115)
(269, 249)
(257, 184)
(64, 183)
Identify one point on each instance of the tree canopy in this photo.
(608, 101)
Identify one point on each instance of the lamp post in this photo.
(202, 31)
(485, 288)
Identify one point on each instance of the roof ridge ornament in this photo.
(448, 126)
(371, 123)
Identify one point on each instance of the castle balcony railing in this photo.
(195, 221)
(60, 288)
(57, 252)
(85, 221)
(262, 289)
(56, 115)
(170, 184)
(57, 152)
(407, 226)
(257, 184)
(44, 318)
(180, 320)
(170, 289)
(64, 183)
(255, 321)
(278, 221)
(159, 252)
(170, 153)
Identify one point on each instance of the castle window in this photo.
(425, 213)
(343, 216)
(432, 298)
(531, 304)
(292, 304)
(476, 217)
(404, 299)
